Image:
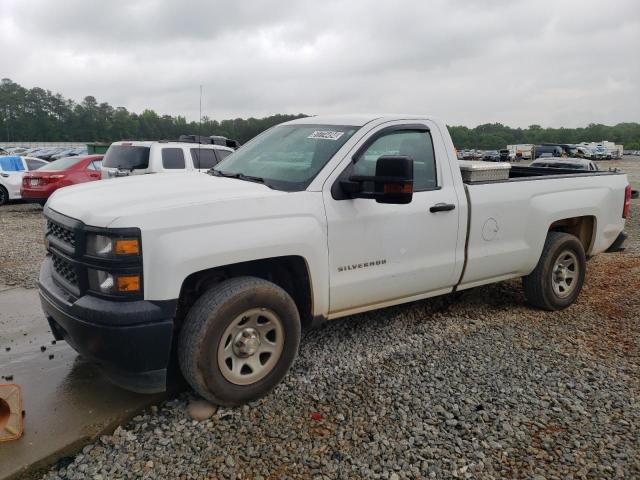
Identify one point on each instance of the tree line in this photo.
(37, 114)
(496, 135)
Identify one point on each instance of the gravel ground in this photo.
(21, 244)
(483, 387)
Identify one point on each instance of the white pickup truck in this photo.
(312, 220)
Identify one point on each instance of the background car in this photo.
(567, 149)
(491, 156)
(16, 150)
(554, 150)
(38, 185)
(568, 163)
(12, 170)
(506, 156)
(67, 152)
(584, 152)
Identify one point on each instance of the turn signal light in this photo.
(128, 283)
(127, 247)
(398, 187)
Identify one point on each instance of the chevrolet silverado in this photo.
(314, 219)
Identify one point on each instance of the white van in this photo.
(136, 158)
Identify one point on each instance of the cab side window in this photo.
(414, 144)
(172, 158)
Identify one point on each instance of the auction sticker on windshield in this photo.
(326, 135)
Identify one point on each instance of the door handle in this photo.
(442, 207)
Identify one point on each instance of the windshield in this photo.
(61, 164)
(287, 157)
(126, 157)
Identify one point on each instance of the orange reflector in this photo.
(11, 424)
(127, 247)
(398, 187)
(129, 283)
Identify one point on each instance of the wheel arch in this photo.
(582, 227)
(291, 273)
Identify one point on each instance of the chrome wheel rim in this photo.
(564, 275)
(251, 346)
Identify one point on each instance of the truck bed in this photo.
(509, 219)
(520, 173)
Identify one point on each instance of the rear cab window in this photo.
(127, 157)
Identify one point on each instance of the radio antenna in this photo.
(200, 131)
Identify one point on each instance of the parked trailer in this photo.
(609, 149)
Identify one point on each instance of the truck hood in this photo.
(100, 203)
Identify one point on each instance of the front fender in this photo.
(180, 242)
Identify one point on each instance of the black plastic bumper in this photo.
(618, 244)
(131, 341)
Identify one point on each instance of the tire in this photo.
(4, 195)
(226, 324)
(555, 284)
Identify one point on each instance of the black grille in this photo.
(63, 234)
(65, 270)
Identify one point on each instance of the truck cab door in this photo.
(381, 254)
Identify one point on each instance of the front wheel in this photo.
(239, 340)
(557, 280)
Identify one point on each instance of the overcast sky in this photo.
(518, 62)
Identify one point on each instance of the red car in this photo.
(39, 184)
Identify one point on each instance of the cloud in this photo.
(467, 61)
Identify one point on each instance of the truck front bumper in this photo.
(131, 341)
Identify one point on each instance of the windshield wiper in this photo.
(239, 176)
(249, 178)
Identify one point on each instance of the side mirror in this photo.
(392, 183)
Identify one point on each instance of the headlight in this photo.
(111, 283)
(110, 247)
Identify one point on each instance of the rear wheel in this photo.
(4, 195)
(557, 280)
(239, 340)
